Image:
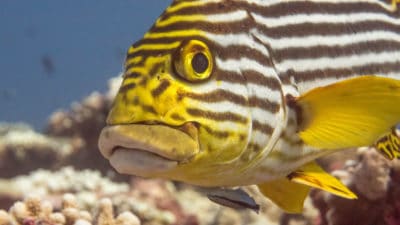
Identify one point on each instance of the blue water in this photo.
(55, 52)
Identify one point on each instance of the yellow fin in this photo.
(394, 4)
(313, 175)
(287, 195)
(389, 145)
(350, 113)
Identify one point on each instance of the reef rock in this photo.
(376, 182)
(70, 139)
(83, 124)
(23, 150)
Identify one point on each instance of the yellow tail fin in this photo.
(350, 113)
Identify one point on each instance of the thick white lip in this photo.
(144, 149)
(139, 162)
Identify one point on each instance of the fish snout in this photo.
(144, 150)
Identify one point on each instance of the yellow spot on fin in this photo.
(313, 175)
(351, 113)
(287, 195)
(389, 145)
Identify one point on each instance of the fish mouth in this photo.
(141, 149)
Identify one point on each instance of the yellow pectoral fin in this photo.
(313, 175)
(287, 195)
(350, 113)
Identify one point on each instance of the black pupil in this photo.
(199, 63)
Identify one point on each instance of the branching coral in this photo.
(33, 211)
(82, 125)
(22, 150)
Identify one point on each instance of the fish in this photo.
(232, 93)
(233, 198)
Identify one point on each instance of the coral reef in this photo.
(87, 185)
(377, 184)
(154, 202)
(82, 124)
(70, 139)
(34, 211)
(23, 150)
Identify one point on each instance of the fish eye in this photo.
(193, 61)
(200, 63)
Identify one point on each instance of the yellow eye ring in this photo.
(194, 61)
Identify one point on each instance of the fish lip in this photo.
(139, 162)
(144, 146)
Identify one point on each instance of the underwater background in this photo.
(60, 62)
(56, 52)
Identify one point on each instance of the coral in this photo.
(127, 218)
(70, 139)
(376, 182)
(34, 211)
(82, 124)
(392, 212)
(22, 150)
(86, 184)
(88, 188)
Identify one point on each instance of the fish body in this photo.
(257, 89)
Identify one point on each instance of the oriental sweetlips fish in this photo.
(228, 93)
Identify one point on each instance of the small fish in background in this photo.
(48, 65)
(228, 93)
(30, 32)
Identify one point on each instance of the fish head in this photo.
(177, 115)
